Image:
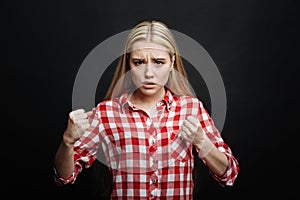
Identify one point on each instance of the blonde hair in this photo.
(157, 32)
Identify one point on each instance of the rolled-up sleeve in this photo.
(230, 175)
(85, 151)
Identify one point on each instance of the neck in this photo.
(138, 98)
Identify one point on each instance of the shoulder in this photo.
(108, 104)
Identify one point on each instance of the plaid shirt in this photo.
(146, 157)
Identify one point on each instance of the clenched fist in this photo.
(77, 124)
(192, 132)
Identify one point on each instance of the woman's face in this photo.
(150, 65)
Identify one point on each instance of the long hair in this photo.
(157, 32)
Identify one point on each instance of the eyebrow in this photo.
(139, 58)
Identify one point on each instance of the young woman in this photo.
(147, 127)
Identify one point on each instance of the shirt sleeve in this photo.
(85, 150)
(230, 175)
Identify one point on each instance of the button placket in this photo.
(152, 140)
(152, 180)
(149, 122)
(153, 186)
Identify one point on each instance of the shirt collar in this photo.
(167, 100)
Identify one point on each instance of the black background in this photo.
(253, 43)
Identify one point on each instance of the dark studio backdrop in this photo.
(253, 44)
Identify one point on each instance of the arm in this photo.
(215, 160)
(211, 148)
(220, 160)
(64, 157)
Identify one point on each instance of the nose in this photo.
(149, 71)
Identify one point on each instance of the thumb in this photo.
(89, 113)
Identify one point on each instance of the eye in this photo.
(138, 62)
(159, 62)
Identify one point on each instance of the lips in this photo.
(148, 85)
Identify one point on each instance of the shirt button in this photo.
(153, 181)
(153, 142)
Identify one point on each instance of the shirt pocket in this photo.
(179, 150)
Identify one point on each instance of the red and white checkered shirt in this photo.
(146, 157)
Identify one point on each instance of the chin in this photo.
(148, 92)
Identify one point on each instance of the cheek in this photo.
(135, 74)
(164, 76)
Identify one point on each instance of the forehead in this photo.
(141, 48)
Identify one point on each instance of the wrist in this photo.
(204, 147)
(67, 141)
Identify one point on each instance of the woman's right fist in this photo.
(77, 123)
